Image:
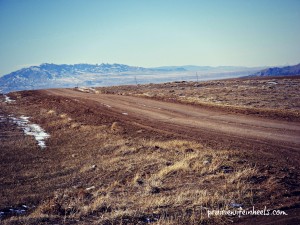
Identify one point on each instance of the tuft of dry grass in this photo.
(116, 128)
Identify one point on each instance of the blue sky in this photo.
(149, 32)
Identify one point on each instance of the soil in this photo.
(232, 131)
(268, 133)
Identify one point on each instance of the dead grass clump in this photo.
(181, 145)
(101, 203)
(52, 112)
(182, 165)
(63, 115)
(75, 125)
(59, 122)
(116, 127)
(138, 180)
(66, 202)
(88, 168)
(153, 186)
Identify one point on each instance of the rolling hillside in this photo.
(279, 71)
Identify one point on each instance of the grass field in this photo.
(100, 169)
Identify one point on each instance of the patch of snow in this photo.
(124, 113)
(2, 118)
(13, 211)
(236, 205)
(90, 188)
(32, 129)
(25, 206)
(272, 82)
(108, 106)
(8, 100)
(87, 90)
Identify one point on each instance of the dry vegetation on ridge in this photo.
(276, 97)
(100, 169)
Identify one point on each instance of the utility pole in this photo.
(135, 80)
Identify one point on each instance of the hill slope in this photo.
(64, 76)
(279, 71)
(52, 75)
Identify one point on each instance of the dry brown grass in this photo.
(276, 97)
(116, 128)
(93, 173)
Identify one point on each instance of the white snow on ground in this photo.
(125, 113)
(13, 211)
(87, 90)
(2, 118)
(272, 82)
(8, 100)
(32, 129)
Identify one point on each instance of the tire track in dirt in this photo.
(218, 129)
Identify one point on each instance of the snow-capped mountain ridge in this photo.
(48, 75)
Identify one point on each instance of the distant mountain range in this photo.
(203, 68)
(278, 71)
(57, 76)
(53, 75)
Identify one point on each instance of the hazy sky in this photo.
(149, 32)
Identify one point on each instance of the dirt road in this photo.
(270, 146)
(215, 128)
